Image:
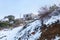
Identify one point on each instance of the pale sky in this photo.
(20, 7)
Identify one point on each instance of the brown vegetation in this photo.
(50, 32)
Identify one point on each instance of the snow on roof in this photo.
(4, 19)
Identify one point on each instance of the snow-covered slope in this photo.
(31, 32)
(9, 34)
(27, 32)
(53, 19)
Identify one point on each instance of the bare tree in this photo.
(45, 12)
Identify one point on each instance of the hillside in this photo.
(34, 30)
